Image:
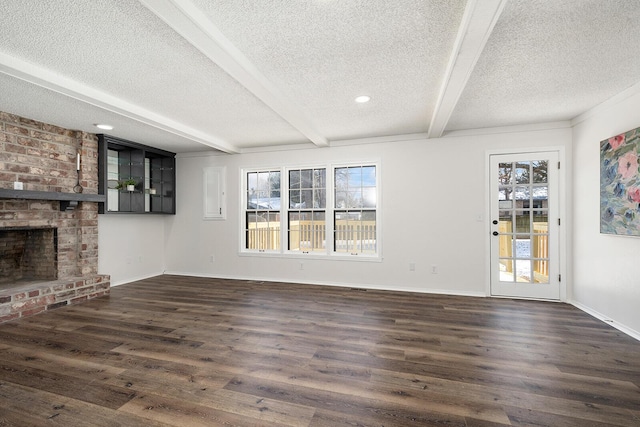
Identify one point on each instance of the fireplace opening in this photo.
(28, 255)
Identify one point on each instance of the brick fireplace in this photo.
(44, 159)
(28, 254)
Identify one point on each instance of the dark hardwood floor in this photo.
(184, 351)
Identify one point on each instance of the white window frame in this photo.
(288, 210)
(243, 211)
(377, 210)
(330, 209)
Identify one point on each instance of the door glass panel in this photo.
(538, 278)
(540, 195)
(523, 247)
(505, 222)
(506, 246)
(505, 171)
(523, 271)
(505, 193)
(522, 173)
(506, 270)
(505, 228)
(523, 223)
(540, 223)
(539, 171)
(522, 193)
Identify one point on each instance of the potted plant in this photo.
(129, 184)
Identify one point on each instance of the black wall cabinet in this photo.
(135, 178)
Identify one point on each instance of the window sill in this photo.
(314, 256)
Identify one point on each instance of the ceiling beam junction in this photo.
(191, 23)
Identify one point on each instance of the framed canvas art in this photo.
(620, 184)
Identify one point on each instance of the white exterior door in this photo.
(524, 225)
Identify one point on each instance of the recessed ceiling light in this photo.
(362, 99)
(103, 126)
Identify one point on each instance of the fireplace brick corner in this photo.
(37, 298)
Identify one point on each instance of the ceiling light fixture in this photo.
(103, 126)
(362, 99)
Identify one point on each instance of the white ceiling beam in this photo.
(55, 82)
(192, 24)
(478, 21)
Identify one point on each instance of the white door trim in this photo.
(563, 204)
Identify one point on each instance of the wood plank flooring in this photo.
(183, 351)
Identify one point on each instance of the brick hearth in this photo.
(27, 300)
(43, 158)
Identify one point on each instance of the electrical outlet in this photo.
(434, 269)
(17, 185)
(302, 266)
(412, 266)
(212, 258)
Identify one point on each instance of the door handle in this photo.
(495, 222)
(495, 233)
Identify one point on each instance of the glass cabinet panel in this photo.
(135, 178)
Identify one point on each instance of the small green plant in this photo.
(123, 184)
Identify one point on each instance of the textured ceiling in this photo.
(551, 60)
(322, 54)
(192, 75)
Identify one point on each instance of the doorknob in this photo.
(495, 233)
(495, 222)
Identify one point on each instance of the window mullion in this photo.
(329, 209)
(284, 209)
(308, 205)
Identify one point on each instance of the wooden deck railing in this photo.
(355, 237)
(307, 236)
(539, 249)
(350, 236)
(540, 252)
(263, 236)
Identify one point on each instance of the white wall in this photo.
(437, 184)
(432, 192)
(606, 270)
(131, 247)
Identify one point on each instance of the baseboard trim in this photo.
(335, 284)
(135, 279)
(606, 319)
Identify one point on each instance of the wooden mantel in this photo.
(67, 200)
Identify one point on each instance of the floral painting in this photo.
(620, 184)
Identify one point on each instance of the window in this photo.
(322, 211)
(355, 210)
(307, 204)
(263, 211)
